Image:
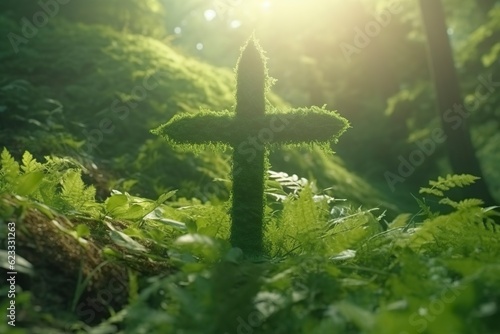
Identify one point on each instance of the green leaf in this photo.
(82, 230)
(446, 183)
(166, 221)
(123, 240)
(28, 183)
(115, 202)
(30, 164)
(449, 202)
(134, 212)
(74, 191)
(426, 210)
(431, 191)
(165, 196)
(10, 168)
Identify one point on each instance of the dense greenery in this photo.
(65, 92)
(118, 231)
(331, 267)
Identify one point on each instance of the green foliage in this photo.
(138, 17)
(482, 45)
(450, 181)
(125, 206)
(60, 102)
(57, 105)
(152, 84)
(369, 287)
(73, 190)
(463, 207)
(57, 182)
(480, 54)
(29, 116)
(333, 268)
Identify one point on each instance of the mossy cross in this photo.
(249, 131)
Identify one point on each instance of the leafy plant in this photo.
(332, 267)
(442, 185)
(57, 182)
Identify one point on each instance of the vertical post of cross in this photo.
(247, 211)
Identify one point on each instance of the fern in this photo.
(468, 220)
(9, 172)
(450, 181)
(30, 164)
(462, 205)
(440, 187)
(279, 182)
(57, 182)
(74, 192)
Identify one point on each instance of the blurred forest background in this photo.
(354, 244)
(90, 79)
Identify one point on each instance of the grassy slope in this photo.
(97, 75)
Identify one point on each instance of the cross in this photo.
(250, 131)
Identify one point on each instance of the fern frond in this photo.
(467, 204)
(30, 164)
(292, 182)
(74, 192)
(449, 182)
(449, 202)
(431, 191)
(10, 168)
(470, 202)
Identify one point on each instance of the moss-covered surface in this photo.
(66, 89)
(249, 125)
(93, 93)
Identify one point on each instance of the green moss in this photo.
(249, 130)
(97, 73)
(298, 125)
(79, 77)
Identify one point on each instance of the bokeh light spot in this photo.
(209, 14)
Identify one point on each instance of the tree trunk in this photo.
(461, 152)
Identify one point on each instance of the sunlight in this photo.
(210, 14)
(235, 24)
(266, 5)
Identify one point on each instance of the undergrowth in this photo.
(330, 267)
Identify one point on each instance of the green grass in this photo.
(330, 267)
